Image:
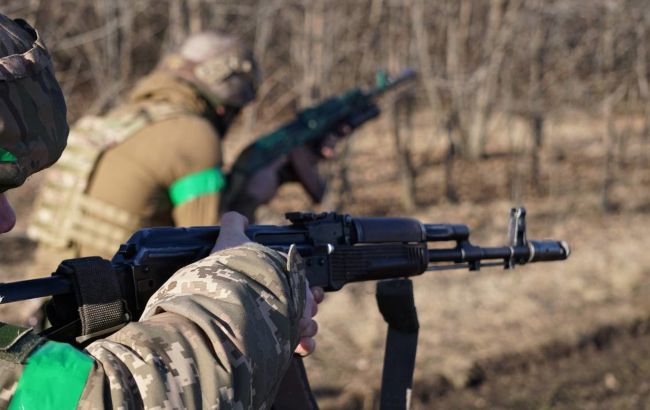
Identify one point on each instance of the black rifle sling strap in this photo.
(294, 392)
(397, 306)
(98, 302)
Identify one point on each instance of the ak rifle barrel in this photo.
(536, 251)
(34, 288)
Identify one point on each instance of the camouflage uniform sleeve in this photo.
(218, 334)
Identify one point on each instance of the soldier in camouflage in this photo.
(218, 334)
(155, 160)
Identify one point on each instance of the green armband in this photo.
(53, 378)
(6, 156)
(208, 181)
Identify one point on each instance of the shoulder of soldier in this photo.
(186, 136)
(190, 122)
(168, 125)
(16, 342)
(182, 136)
(35, 371)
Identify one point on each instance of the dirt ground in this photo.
(549, 335)
(609, 371)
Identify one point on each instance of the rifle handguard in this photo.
(374, 262)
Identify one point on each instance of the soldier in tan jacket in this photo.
(219, 334)
(154, 160)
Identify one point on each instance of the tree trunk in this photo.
(610, 144)
(401, 118)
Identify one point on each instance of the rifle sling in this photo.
(397, 306)
(294, 392)
(98, 300)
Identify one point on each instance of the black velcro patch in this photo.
(16, 343)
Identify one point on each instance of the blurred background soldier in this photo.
(225, 351)
(155, 160)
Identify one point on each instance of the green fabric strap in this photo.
(204, 182)
(53, 378)
(6, 156)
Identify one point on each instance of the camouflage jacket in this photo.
(218, 334)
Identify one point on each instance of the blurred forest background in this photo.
(479, 62)
(541, 102)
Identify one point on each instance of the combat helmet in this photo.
(219, 66)
(33, 127)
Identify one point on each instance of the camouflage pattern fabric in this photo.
(219, 334)
(220, 66)
(33, 128)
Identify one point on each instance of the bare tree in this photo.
(476, 60)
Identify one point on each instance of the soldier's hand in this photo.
(308, 326)
(305, 165)
(232, 232)
(328, 144)
(263, 185)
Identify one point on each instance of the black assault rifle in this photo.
(337, 249)
(93, 297)
(310, 127)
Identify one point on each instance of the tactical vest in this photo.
(64, 215)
